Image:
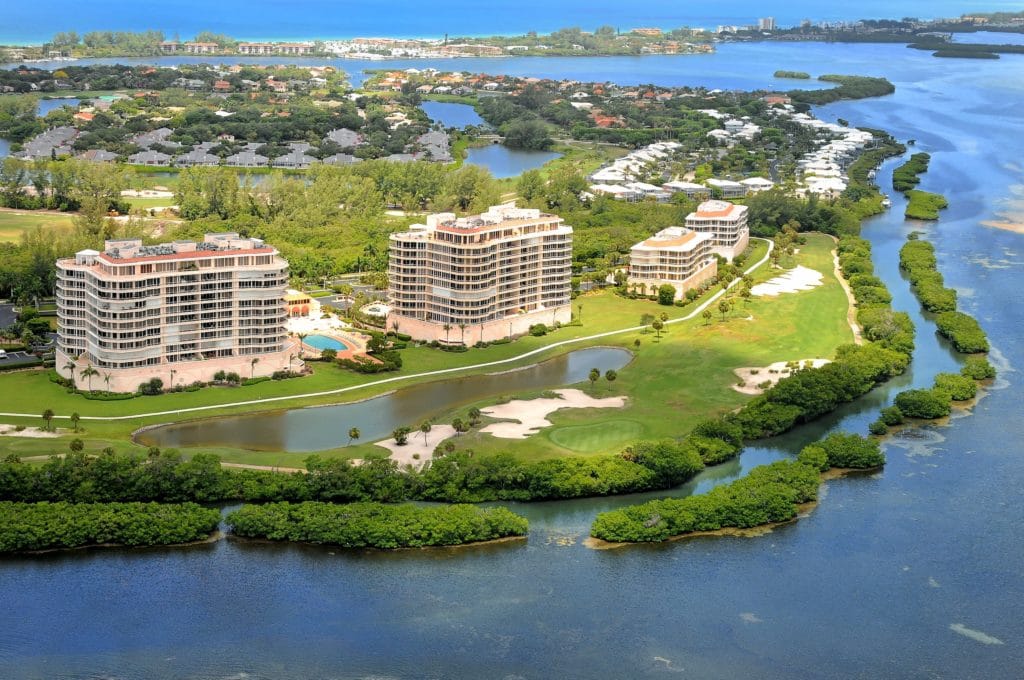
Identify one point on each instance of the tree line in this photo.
(375, 525)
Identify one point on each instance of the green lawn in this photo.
(673, 382)
(14, 223)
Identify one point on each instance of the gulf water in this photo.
(27, 22)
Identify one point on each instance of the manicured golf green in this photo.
(597, 437)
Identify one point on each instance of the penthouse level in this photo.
(484, 277)
(178, 311)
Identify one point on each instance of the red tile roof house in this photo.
(221, 86)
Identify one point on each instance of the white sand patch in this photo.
(34, 432)
(793, 281)
(530, 416)
(756, 375)
(417, 445)
(977, 635)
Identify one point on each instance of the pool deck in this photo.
(355, 344)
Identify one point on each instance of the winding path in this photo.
(443, 371)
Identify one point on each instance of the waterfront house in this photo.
(154, 158)
(294, 159)
(246, 159)
(197, 157)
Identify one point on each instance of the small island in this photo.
(795, 75)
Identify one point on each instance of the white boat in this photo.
(886, 203)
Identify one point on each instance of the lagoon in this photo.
(326, 427)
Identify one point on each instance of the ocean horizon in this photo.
(277, 20)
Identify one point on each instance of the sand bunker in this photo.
(793, 281)
(417, 446)
(754, 376)
(530, 416)
(35, 432)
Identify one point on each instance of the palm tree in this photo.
(74, 421)
(302, 337)
(353, 434)
(594, 376)
(173, 373)
(447, 329)
(425, 429)
(723, 308)
(657, 325)
(88, 372)
(106, 379)
(70, 366)
(707, 316)
(48, 417)
(462, 327)
(474, 415)
(252, 367)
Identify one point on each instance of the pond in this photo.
(313, 429)
(452, 114)
(47, 105)
(505, 162)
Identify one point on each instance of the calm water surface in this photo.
(312, 429)
(868, 585)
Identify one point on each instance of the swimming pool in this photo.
(323, 342)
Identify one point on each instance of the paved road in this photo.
(7, 315)
(443, 371)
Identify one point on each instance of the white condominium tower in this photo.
(675, 256)
(480, 278)
(179, 311)
(726, 222)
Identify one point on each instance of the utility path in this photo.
(443, 371)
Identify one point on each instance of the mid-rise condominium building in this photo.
(180, 312)
(676, 256)
(727, 224)
(480, 278)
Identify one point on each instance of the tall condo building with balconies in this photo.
(480, 278)
(726, 222)
(675, 256)
(179, 311)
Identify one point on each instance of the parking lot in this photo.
(14, 358)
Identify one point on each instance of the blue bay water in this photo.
(875, 582)
(26, 22)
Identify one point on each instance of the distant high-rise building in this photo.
(179, 311)
(676, 256)
(766, 24)
(727, 224)
(482, 277)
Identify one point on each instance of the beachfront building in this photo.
(676, 256)
(480, 278)
(178, 311)
(725, 222)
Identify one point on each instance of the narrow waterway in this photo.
(326, 427)
(914, 572)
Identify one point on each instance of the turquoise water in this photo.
(875, 583)
(26, 22)
(324, 342)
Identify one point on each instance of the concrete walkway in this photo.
(443, 371)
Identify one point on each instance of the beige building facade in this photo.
(725, 222)
(179, 311)
(675, 256)
(480, 278)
